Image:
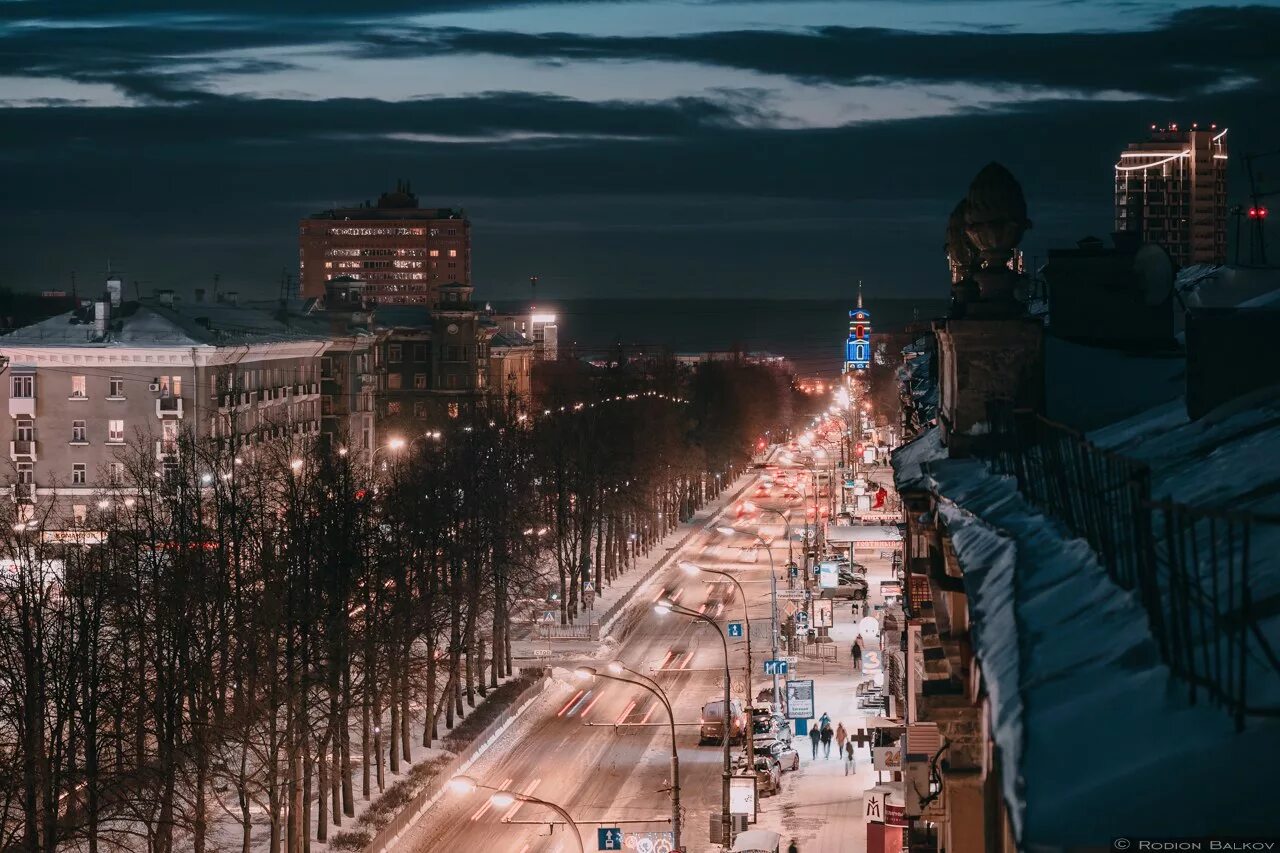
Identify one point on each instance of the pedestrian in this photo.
(826, 740)
(824, 721)
(850, 760)
(856, 653)
(841, 736)
(793, 847)
(814, 735)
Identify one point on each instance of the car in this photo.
(855, 589)
(768, 773)
(787, 758)
(773, 726)
(711, 725)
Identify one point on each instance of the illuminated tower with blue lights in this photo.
(857, 350)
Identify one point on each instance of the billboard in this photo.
(828, 575)
(800, 699)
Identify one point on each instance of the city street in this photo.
(601, 750)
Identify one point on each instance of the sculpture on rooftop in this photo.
(985, 229)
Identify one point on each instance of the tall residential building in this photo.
(1171, 189)
(402, 252)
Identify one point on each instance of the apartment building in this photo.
(87, 388)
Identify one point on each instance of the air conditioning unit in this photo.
(154, 386)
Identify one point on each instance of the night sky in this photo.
(613, 148)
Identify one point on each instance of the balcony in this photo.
(166, 449)
(23, 492)
(22, 407)
(168, 407)
(24, 450)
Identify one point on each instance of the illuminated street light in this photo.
(501, 797)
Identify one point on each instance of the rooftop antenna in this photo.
(216, 278)
(859, 293)
(533, 290)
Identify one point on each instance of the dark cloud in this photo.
(620, 197)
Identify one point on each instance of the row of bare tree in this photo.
(254, 641)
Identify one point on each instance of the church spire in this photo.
(859, 293)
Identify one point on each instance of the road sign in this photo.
(608, 838)
(793, 570)
(542, 653)
(823, 608)
(775, 667)
(800, 699)
(650, 842)
(735, 629)
(802, 619)
(791, 659)
(792, 593)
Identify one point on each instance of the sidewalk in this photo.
(819, 806)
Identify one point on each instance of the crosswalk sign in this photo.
(608, 838)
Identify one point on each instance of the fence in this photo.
(1189, 566)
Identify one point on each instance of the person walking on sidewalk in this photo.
(841, 736)
(850, 759)
(814, 735)
(793, 847)
(824, 721)
(826, 740)
(856, 654)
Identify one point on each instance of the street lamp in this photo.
(692, 569)
(394, 445)
(773, 594)
(663, 607)
(616, 668)
(501, 797)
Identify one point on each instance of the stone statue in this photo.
(995, 218)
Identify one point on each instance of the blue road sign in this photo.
(608, 838)
(735, 629)
(802, 618)
(794, 570)
(777, 666)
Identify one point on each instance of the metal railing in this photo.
(1188, 566)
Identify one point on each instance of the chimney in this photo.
(165, 297)
(101, 317)
(199, 294)
(115, 288)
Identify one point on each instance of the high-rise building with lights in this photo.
(402, 252)
(1171, 189)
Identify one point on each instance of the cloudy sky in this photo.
(651, 147)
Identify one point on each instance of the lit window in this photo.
(117, 386)
(393, 408)
(435, 253)
(115, 432)
(79, 473)
(453, 253)
(79, 432)
(78, 387)
(393, 381)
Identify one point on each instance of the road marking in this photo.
(591, 705)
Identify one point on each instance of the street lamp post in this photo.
(693, 569)
(393, 445)
(773, 603)
(616, 668)
(664, 607)
(503, 797)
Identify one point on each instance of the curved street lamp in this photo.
(615, 670)
(394, 445)
(663, 607)
(502, 797)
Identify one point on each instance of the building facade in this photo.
(1171, 190)
(402, 252)
(90, 389)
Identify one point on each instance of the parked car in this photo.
(787, 758)
(772, 726)
(711, 728)
(854, 588)
(768, 774)
(757, 841)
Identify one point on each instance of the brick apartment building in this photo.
(403, 252)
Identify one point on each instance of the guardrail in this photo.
(1189, 566)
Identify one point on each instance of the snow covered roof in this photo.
(1090, 726)
(907, 459)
